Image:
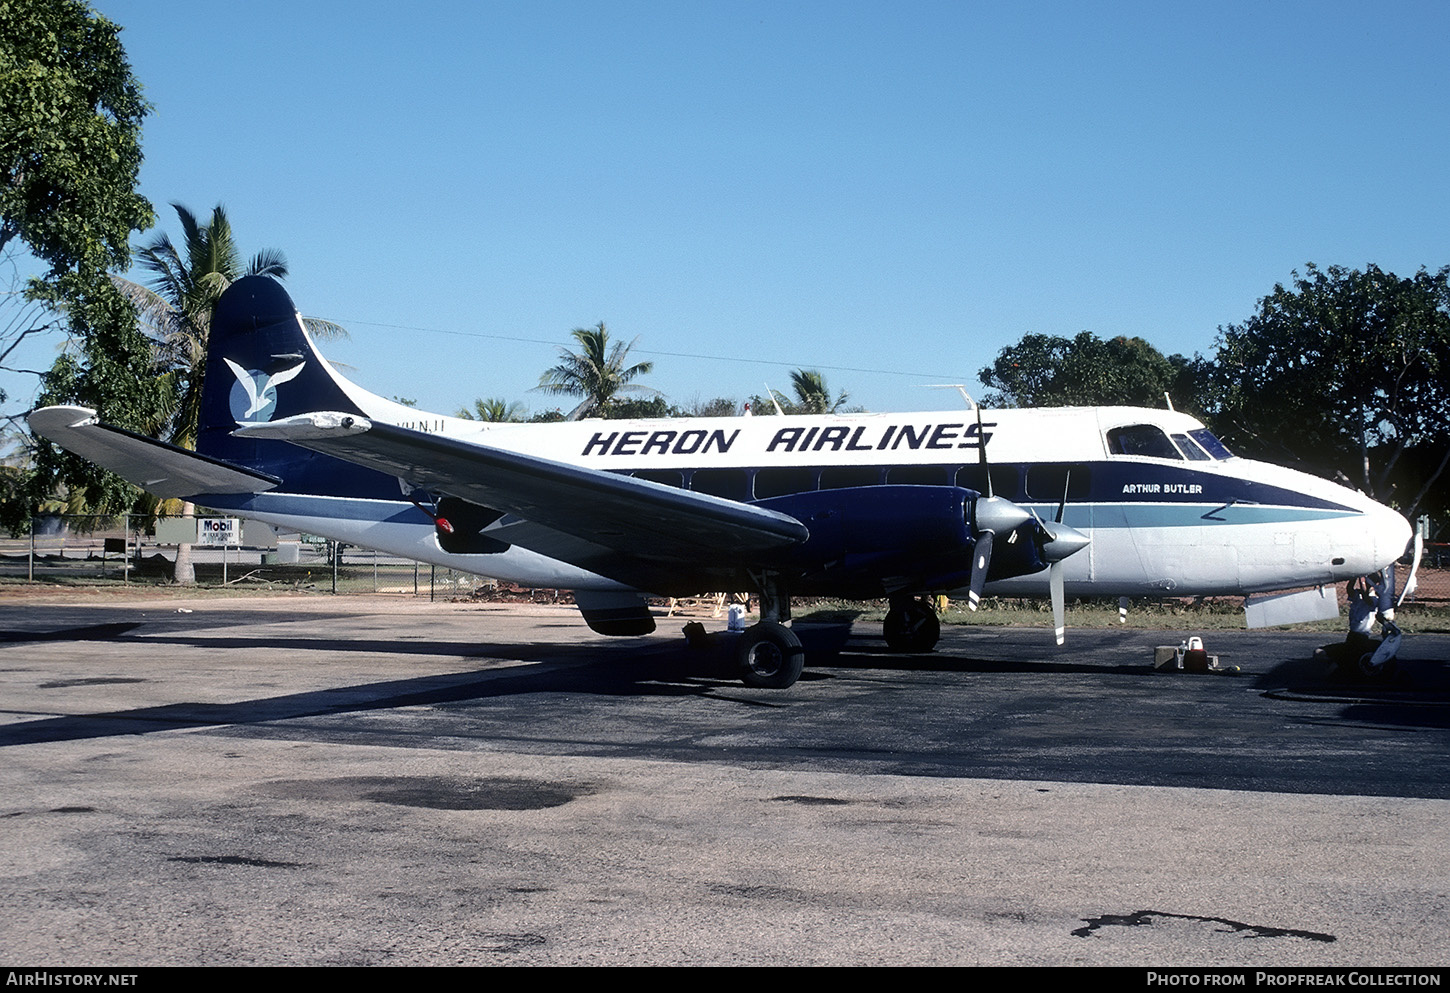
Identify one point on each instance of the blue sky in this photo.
(890, 192)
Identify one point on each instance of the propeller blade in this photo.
(1059, 601)
(981, 559)
(1413, 582)
(982, 454)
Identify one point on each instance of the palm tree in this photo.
(493, 409)
(597, 372)
(178, 305)
(811, 395)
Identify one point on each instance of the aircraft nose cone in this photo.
(1392, 533)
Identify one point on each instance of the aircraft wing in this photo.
(155, 466)
(567, 511)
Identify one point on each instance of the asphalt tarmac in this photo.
(368, 781)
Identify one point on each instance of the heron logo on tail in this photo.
(254, 396)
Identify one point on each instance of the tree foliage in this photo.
(812, 396)
(70, 152)
(1344, 370)
(1051, 371)
(494, 409)
(111, 370)
(70, 137)
(598, 372)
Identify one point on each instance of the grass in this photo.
(1217, 614)
(152, 579)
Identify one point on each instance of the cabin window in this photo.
(1211, 444)
(1190, 449)
(1146, 440)
(783, 481)
(840, 477)
(669, 477)
(1004, 480)
(732, 484)
(1048, 481)
(918, 475)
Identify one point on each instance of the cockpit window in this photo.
(1190, 450)
(1142, 439)
(1211, 444)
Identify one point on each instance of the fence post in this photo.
(30, 570)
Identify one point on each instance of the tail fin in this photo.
(261, 364)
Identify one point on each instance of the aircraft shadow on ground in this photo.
(636, 668)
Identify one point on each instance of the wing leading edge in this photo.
(567, 511)
(155, 466)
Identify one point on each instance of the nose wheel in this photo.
(911, 625)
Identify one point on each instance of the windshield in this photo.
(1211, 444)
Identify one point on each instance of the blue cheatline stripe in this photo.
(1184, 515)
(1094, 515)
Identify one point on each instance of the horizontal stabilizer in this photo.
(155, 466)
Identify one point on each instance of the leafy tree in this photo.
(1345, 370)
(112, 370)
(718, 407)
(640, 408)
(493, 409)
(70, 137)
(1051, 371)
(598, 372)
(70, 152)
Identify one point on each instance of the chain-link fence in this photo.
(242, 555)
(143, 550)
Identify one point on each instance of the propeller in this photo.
(1413, 581)
(995, 515)
(1061, 541)
(992, 515)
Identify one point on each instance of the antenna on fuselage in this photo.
(1168, 400)
(966, 397)
(774, 402)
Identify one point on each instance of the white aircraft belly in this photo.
(419, 541)
(1214, 559)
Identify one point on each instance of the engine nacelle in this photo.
(918, 534)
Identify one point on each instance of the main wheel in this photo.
(770, 656)
(911, 627)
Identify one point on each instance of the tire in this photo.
(770, 656)
(912, 628)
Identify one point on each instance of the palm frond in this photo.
(324, 329)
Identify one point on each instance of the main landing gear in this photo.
(768, 654)
(911, 625)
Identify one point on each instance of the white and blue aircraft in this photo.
(1096, 501)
